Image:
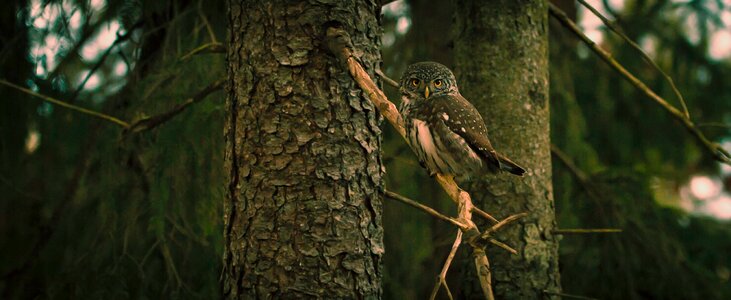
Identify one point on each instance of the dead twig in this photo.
(716, 150)
(213, 47)
(586, 230)
(426, 209)
(154, 121)
(442, 278)
(570, 296)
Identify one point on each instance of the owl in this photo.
(444, 129)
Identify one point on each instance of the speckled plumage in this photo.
(445, 130)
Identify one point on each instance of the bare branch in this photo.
(214, 47)
(386, 79)
(82, 110)
(585, 230)
(442, 278)
(425, 208)
(716, 150)
(156, 120)
(570, 296)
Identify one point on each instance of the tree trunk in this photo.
(501, 59)
(303, 208)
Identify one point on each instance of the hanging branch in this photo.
(585, 230)
(213, 47)
(156, 120)
(716, 150)
(137, 126)
(82, 110)
(618, 31)
(338, 42)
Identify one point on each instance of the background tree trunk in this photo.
(501, 59)
(303, 210)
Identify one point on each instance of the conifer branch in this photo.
(586, 230)
(213, 47)
(716, 150)
(614, 28)
(82, 110)
(154, 121)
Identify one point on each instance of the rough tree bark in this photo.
(303, 209)
(501, 61)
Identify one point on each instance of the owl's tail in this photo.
(508, 165)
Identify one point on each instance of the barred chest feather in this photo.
(436, 146)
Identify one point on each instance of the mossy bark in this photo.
(501, 63)
(303, 210)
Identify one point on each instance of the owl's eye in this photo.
(414, 82)
(438, 83)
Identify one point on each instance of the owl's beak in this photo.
(426, 92)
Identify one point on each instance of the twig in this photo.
(425, 208)
(564, 158)
(82, 110)
(647, 58)
(442, 278)
(582, 230)
(568, 295)
(717, 151)
(214, 47)
(154, 121)
(386, 79)
(209, 28)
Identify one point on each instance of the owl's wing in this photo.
(462, 118)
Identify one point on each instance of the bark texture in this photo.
(501, 62)
(303, 210)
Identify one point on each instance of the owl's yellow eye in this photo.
(438, 83)
(414, 82)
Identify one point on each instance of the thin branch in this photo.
(566, 160)
(647, 58)
(483, 214)
(386, 79)
(583, 230)
(717, 151)
(82, 110)
(442, 278)
(715, 124)
(570, 296)
(154, 121)
(425, 208)
(214, 47)
(209, 28)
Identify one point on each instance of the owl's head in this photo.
(427, 79)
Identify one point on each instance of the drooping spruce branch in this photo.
(82, 110)
(617, 30)
(132, 127)
(716, 150)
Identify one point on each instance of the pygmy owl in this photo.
(444, 129)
